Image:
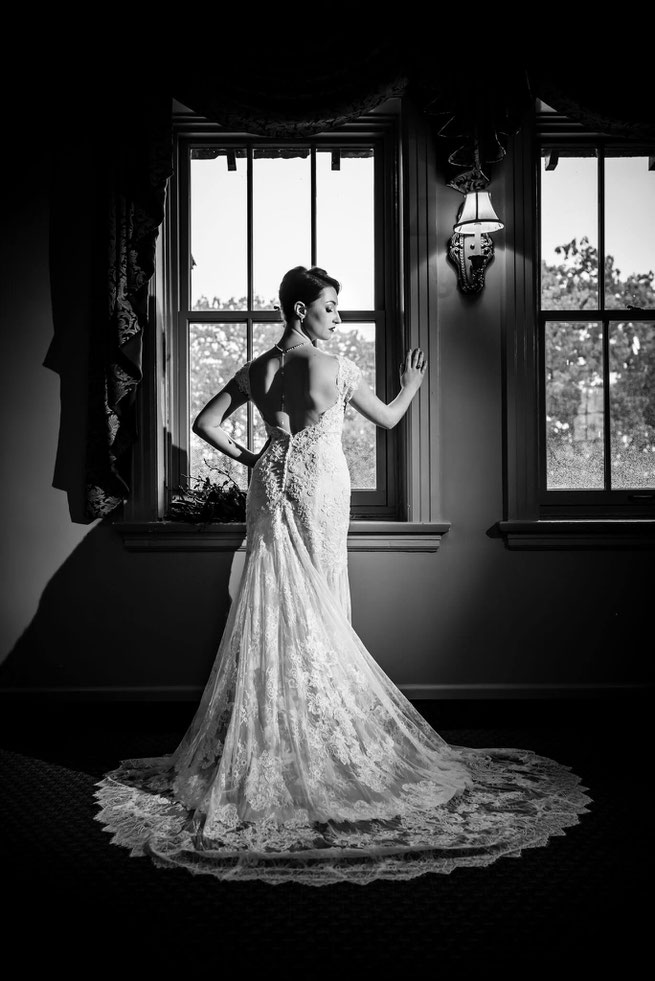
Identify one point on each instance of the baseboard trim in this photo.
(192, 693)
(509, 691)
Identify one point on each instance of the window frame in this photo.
(409, 251)
(381, 503)
(533, 517)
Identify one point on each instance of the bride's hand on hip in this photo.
(413, 368)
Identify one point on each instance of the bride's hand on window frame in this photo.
(413, 368)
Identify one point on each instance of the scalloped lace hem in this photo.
(516, 800)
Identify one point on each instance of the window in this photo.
(231, 230)
(580, 337)
(247, 210)
(597, 324)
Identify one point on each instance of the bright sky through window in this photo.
(345, 225)
(570, 210)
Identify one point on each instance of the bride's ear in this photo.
(300, 309)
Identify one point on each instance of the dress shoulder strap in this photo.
(348, 377)
(242, 378)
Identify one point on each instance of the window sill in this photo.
(611, 533)
(363, 536)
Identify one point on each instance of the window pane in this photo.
(216, 351)
(281, 219)
(569, 239)
(632, 404)
(219, 202)
(629, 232)
(345, 216)
(574, 406)
(357, 341)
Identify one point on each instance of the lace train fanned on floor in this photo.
(517, 800)
(304, 762)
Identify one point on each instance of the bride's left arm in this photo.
(209, 421)
(412, 373)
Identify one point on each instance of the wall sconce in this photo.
(471, 248)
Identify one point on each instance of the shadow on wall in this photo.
(112, 619)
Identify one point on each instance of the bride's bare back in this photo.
(293, 388)
(307, 387)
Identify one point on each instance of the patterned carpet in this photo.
(582, 900)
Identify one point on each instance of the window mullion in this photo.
(541, 388)
(249, 193)
(607, 469)
(250, 423)
(180, 450)
(607, 443)
(312, 195)
(601, 228)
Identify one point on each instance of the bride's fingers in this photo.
(414, 359)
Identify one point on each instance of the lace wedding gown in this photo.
(304, 762)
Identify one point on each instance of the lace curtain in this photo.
(309, 91)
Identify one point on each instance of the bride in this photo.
(304, 762)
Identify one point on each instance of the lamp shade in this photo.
(478, 215)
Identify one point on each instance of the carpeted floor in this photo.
(74, 900)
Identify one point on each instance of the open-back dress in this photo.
(304, 762)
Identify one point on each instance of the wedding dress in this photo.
(304, 762)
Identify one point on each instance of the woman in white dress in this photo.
(304, 762)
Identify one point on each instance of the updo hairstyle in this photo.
(303, 284)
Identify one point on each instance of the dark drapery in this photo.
(473, 114)
(126, 147)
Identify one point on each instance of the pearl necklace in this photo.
(284, 350)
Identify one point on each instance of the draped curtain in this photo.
(104, 224)
(301, 95)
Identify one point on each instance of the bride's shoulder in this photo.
(344, 365)
(324, 358)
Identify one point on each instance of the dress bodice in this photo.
(305, 473)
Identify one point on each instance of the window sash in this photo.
(530, 520)
(636, 499)
(608, 502)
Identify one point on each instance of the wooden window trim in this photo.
(418, 525)
(381, 503)
(529, 523)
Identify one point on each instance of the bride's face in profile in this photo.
(322, 316)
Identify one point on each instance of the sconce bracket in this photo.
(471, 254)
(470, 180)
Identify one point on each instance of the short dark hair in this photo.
(303, 284)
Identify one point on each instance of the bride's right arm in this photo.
(375, 410)
(208, 424)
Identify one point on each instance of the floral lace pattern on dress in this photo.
(304, 762)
